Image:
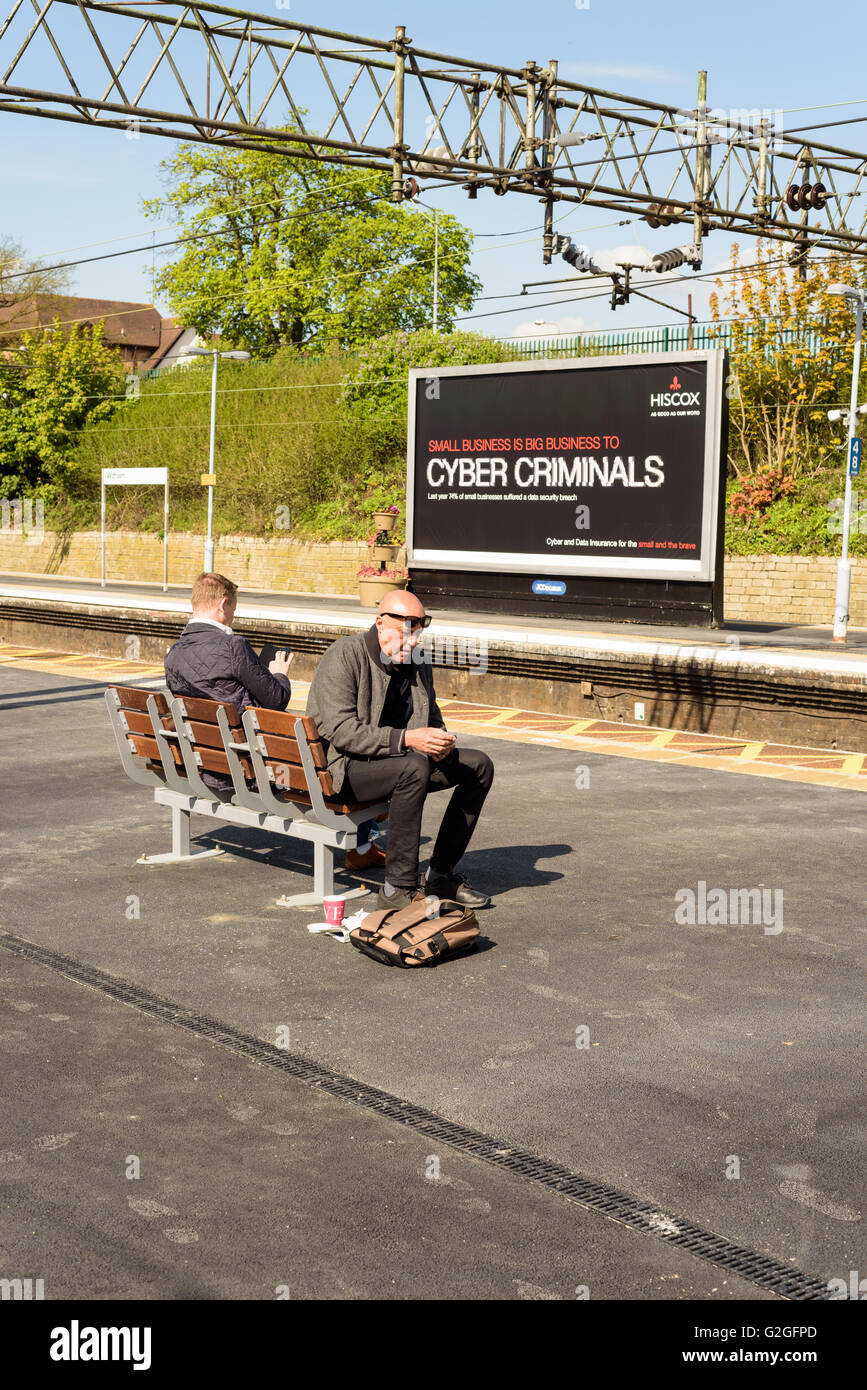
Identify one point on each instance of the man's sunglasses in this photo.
(415, 623)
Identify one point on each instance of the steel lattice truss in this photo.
(225, 77)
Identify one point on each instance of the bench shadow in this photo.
(498, 870)
(258, 846)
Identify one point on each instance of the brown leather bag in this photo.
(423, 933)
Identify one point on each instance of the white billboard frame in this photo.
(135, 477)
(615, 567)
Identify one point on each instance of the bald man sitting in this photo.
(385, 738)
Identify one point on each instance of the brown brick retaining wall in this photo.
(759, 588)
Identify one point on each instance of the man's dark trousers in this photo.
(406, 780)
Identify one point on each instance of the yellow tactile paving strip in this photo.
(786, 762)
(111, 669)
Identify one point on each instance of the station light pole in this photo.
(844, 566)
(436, 282)
(212, 475)
(435, 307)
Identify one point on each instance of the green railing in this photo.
(661, 338)
(667, 338)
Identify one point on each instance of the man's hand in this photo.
(439, 757)
(280, 665)
(435, 742)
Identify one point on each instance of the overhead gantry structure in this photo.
(229, 78)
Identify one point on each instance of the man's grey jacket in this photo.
(347, 696)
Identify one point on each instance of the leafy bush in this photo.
(379, 380)
(310, 447)
(807, 522)
(756, 492)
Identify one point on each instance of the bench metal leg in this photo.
(323, 881)
(181, 853)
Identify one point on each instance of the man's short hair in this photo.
(209, 589)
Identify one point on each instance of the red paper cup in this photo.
(334, 908)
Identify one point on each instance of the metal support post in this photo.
(399, 81)
(436, 276)
(474, 148)
(181, 851)
(530, 124)
(701, 160)
(547, 156)
(844, 567)
(209, 542)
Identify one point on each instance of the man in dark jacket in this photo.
(212, 662)
(375, 707)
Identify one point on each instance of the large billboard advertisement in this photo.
(592, 466)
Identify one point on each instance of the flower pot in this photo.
(370, 591)
(385, 520)
(384, 552)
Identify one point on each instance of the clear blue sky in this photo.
(69, 186)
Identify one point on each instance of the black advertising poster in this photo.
(589, 467)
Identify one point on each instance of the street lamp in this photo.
(844, 567)
(236, 357)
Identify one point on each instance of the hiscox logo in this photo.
(675, 395)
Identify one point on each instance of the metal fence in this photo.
(664, 338)
(659, 338)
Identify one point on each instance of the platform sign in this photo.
(854, 458)
(586, 467)
(126, 477)
(132, 477)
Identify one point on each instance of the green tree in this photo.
(51, 384)
(293, 252)
(790, 360)
(20, 278)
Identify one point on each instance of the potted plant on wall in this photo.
(381, 549)
(385, 520)
(374, 581)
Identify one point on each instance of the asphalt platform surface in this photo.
(707, 1043)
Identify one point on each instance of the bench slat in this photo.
(132, 698)
(333, 804)
(138, 723)
(291, 777)
(141, 724)
(205, 711)
(209, 736)
(148, 748)
(213, 760)
(287, 750)
(276, 721)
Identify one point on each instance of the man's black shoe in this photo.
(456, 888)
(399, 899)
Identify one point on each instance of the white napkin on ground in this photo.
(340, 933)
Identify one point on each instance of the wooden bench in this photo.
(276, 762)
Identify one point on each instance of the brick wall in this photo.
(289, 566)
(759, 588)
(790, 589)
